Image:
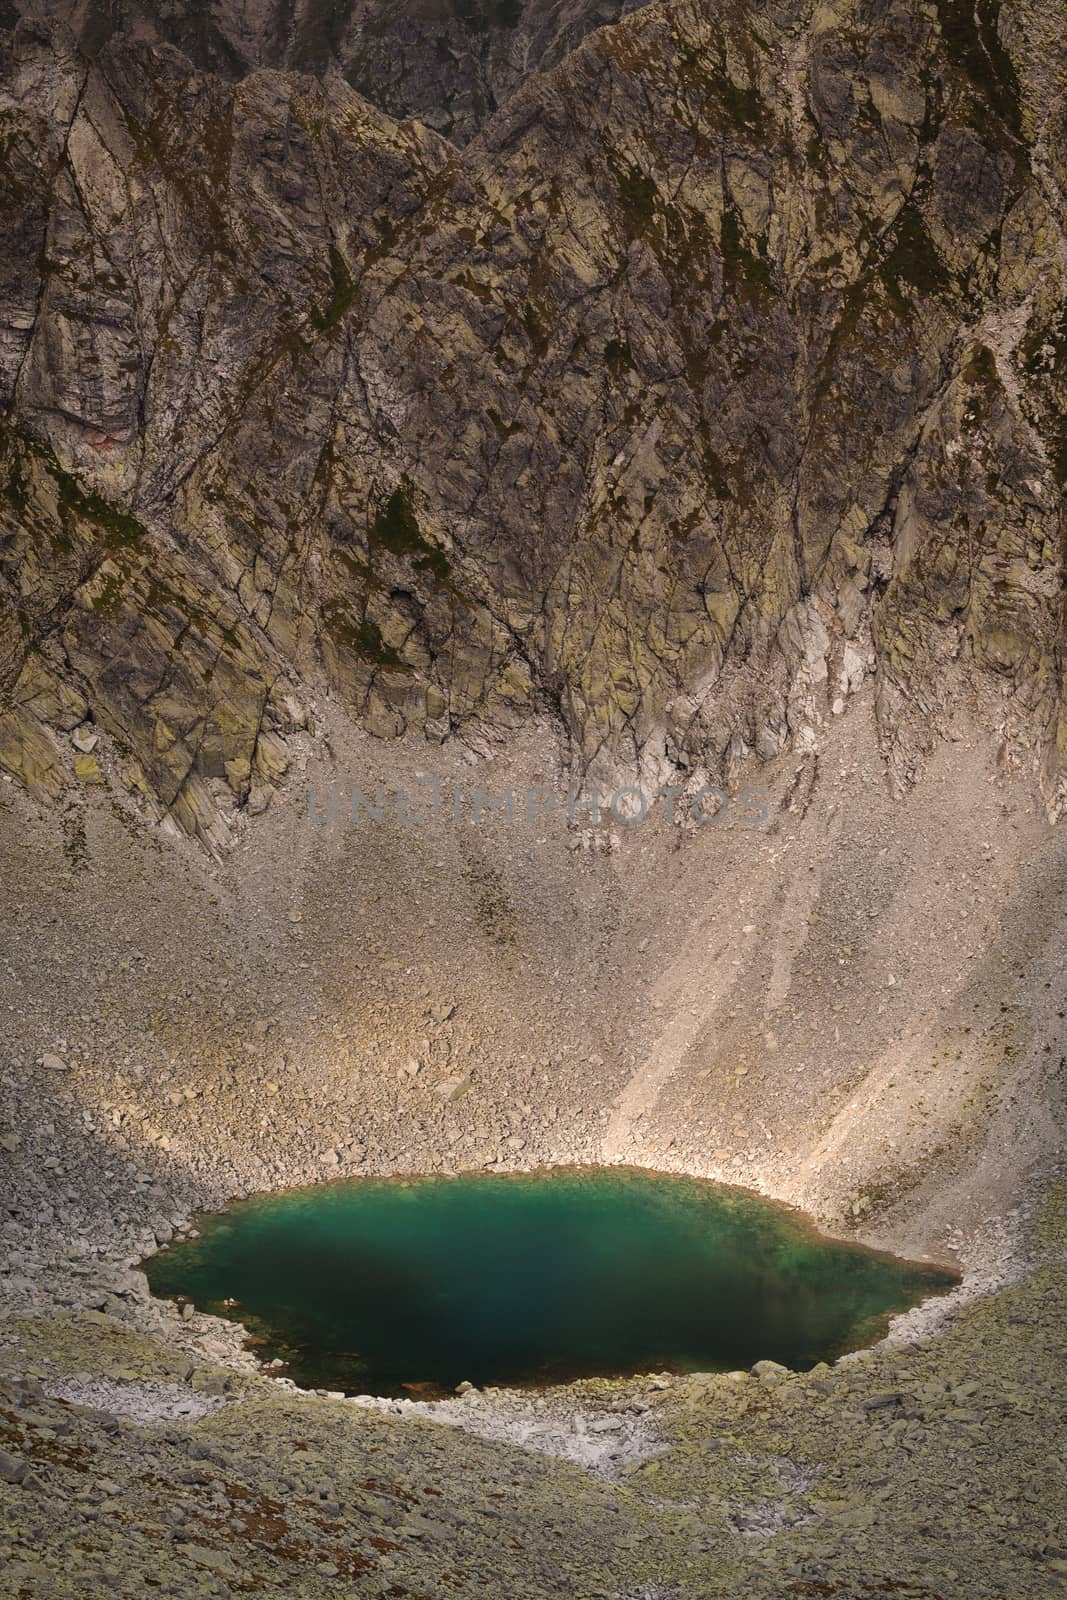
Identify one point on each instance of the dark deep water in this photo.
(378, 1286)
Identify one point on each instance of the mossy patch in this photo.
(535, 331)
(108, 597)
(637, 197)
(912, 266)
(344, 290)
(972, 43)
(980, 376)
(363, 639)
(117, 529)
(744, 269)
(396, 529)
(715, 475)
(618, 357)
(120, 531)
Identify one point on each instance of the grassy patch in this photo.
(109, 595)
(367, 639)
(744, 269)
(981, 368)
(706, 70)
(1044, 348)
(637, 195)
(980, 376)
(364, 639)
(492, 906)
(320, 34)
(618, 357)
(397, 530)
(535, 331)
(118, 530)
(913, 266)
(743, 106)
(972, 43)
(396, 527)
(715, 474)
(344, 290)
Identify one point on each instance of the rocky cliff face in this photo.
(449, 65)
(725, 368)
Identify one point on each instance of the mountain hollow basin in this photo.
(393, 1286)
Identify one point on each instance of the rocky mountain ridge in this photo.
(448, 65)
(724, 369)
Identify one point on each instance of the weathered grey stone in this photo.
(12, 1469)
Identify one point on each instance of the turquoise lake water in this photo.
(384, 1286)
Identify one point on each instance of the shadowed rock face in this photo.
(727, 366)
(449, 63)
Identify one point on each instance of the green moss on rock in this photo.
(913, 266)
(972, 41)
(637, 196)
(746, 270)
(396, 529)
(344, 290)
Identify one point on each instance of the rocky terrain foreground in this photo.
(692, 424)
(383, 998)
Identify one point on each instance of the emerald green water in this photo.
(383, 1286)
